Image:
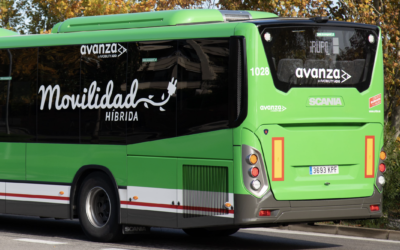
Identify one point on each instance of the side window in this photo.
(58, 86)
(152, 68)
(104, 83)
(202, 94)
(18, 94)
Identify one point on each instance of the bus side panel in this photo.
(151, 192)
(60, 162)
(50, 169)
(38, 199)
(12, 161)
(193, 146)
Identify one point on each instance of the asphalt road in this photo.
(35, 233)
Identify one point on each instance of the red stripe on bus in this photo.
(38, 196)
(2, 194)
(146, 204)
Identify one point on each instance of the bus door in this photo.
(322, 106)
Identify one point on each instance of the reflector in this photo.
(228, 205)
(369, 156)
(277, 159)
(264, 213)
(374, 208)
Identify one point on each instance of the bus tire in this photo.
(98, 209)
(204, 232)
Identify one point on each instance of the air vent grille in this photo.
(205, 190)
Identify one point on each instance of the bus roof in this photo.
(156, 19)
(5, 32)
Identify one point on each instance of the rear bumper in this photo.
(247, 209)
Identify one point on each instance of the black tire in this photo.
(98, 208)
(205, 232)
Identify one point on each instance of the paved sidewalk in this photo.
(344, 230)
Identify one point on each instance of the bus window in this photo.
(58, 66)
(320, 56)
(17, 119)
(153, 66)
(103, 68)
(203, 85)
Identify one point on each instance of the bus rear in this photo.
(315, 101)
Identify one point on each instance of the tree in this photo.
(44, 14)
(386, 16)
(10, 16)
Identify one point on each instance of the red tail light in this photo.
(255, 172)
(264, 213)
(374, 208)
(382, 167)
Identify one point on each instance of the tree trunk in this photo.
(376, 5)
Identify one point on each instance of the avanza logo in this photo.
(325, 101)
(108, 50)
(324, 75)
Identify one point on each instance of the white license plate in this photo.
(314, 170)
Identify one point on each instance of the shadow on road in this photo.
(159, 238)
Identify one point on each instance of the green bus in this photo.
(203, 120)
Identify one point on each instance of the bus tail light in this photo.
(369, 156)
(374, 208)
(254, 172)
(256, 184)
(277, 158)
(253, 159)
(382, 167)
(382, 155)
(381, 180)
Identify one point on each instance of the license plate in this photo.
(314, 170)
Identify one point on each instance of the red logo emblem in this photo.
(375, 101)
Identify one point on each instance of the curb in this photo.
(383, 234)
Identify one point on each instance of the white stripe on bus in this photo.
(38, 192)
(2, 190)
(160, 199)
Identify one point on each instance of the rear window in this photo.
(320, 56)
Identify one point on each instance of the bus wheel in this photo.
(98, 209)
(204, 232)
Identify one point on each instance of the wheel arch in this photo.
(80, 176)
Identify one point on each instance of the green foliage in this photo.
(10, 15)
(391, 193)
